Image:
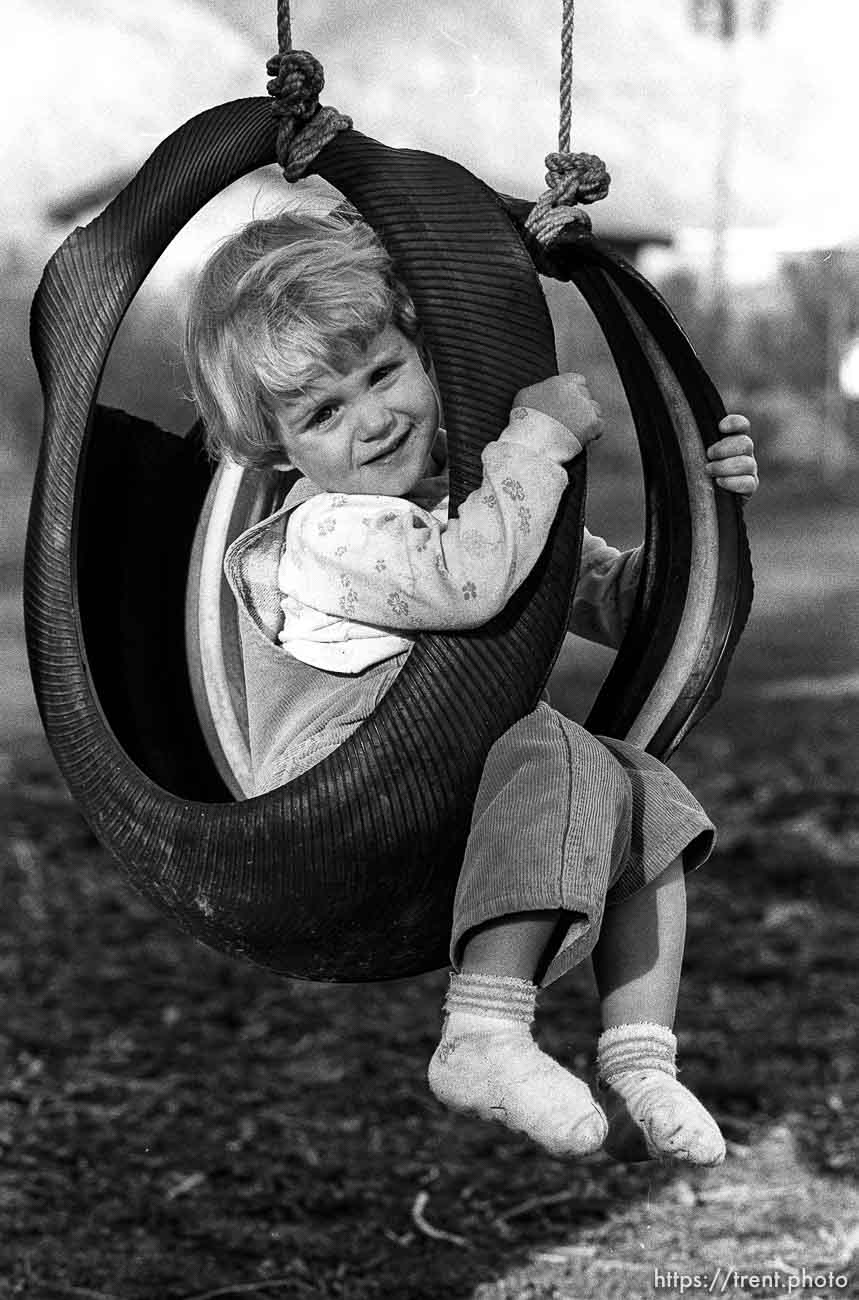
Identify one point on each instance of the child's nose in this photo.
(374, 417)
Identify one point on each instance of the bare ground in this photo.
(176, 1125)
(173, 1123)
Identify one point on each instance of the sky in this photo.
(90, 88)
(643, 81)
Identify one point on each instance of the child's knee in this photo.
(601, 784)
(549, 752)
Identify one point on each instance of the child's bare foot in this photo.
(651, 1116)
(501, 1074)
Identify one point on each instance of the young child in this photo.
(304, 352)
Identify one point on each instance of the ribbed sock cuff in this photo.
(495, 997)
(624, 1049)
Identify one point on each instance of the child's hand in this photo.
(732, 459)
(565, 398)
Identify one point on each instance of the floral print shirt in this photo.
(300, 710)
(360, 576)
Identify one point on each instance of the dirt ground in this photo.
(177, 1126)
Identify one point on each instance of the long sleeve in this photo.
(605, 592)
(394, 564)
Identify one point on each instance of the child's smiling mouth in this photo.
(392, 447)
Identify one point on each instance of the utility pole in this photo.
(723, 19)
(834, 447)
(720, 306)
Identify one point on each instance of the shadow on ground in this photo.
(174, 1124)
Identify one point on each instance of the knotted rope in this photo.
(304, 126)
(571, 178)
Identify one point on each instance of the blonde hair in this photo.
(279, 300)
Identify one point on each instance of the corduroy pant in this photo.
(569, 822)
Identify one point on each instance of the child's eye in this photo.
(322, 415)
(382, 372)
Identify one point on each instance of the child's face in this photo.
(370, 430)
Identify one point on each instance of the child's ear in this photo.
(283, 463)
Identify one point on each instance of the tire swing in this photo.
(348, 872)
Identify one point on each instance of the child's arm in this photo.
(387, 562)
(608, 579)
(605, 591)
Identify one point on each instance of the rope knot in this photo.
(576, 177)
(303, 126)
(296, 82)
(571, 178)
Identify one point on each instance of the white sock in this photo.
(650, 1114)
(487, 1064)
